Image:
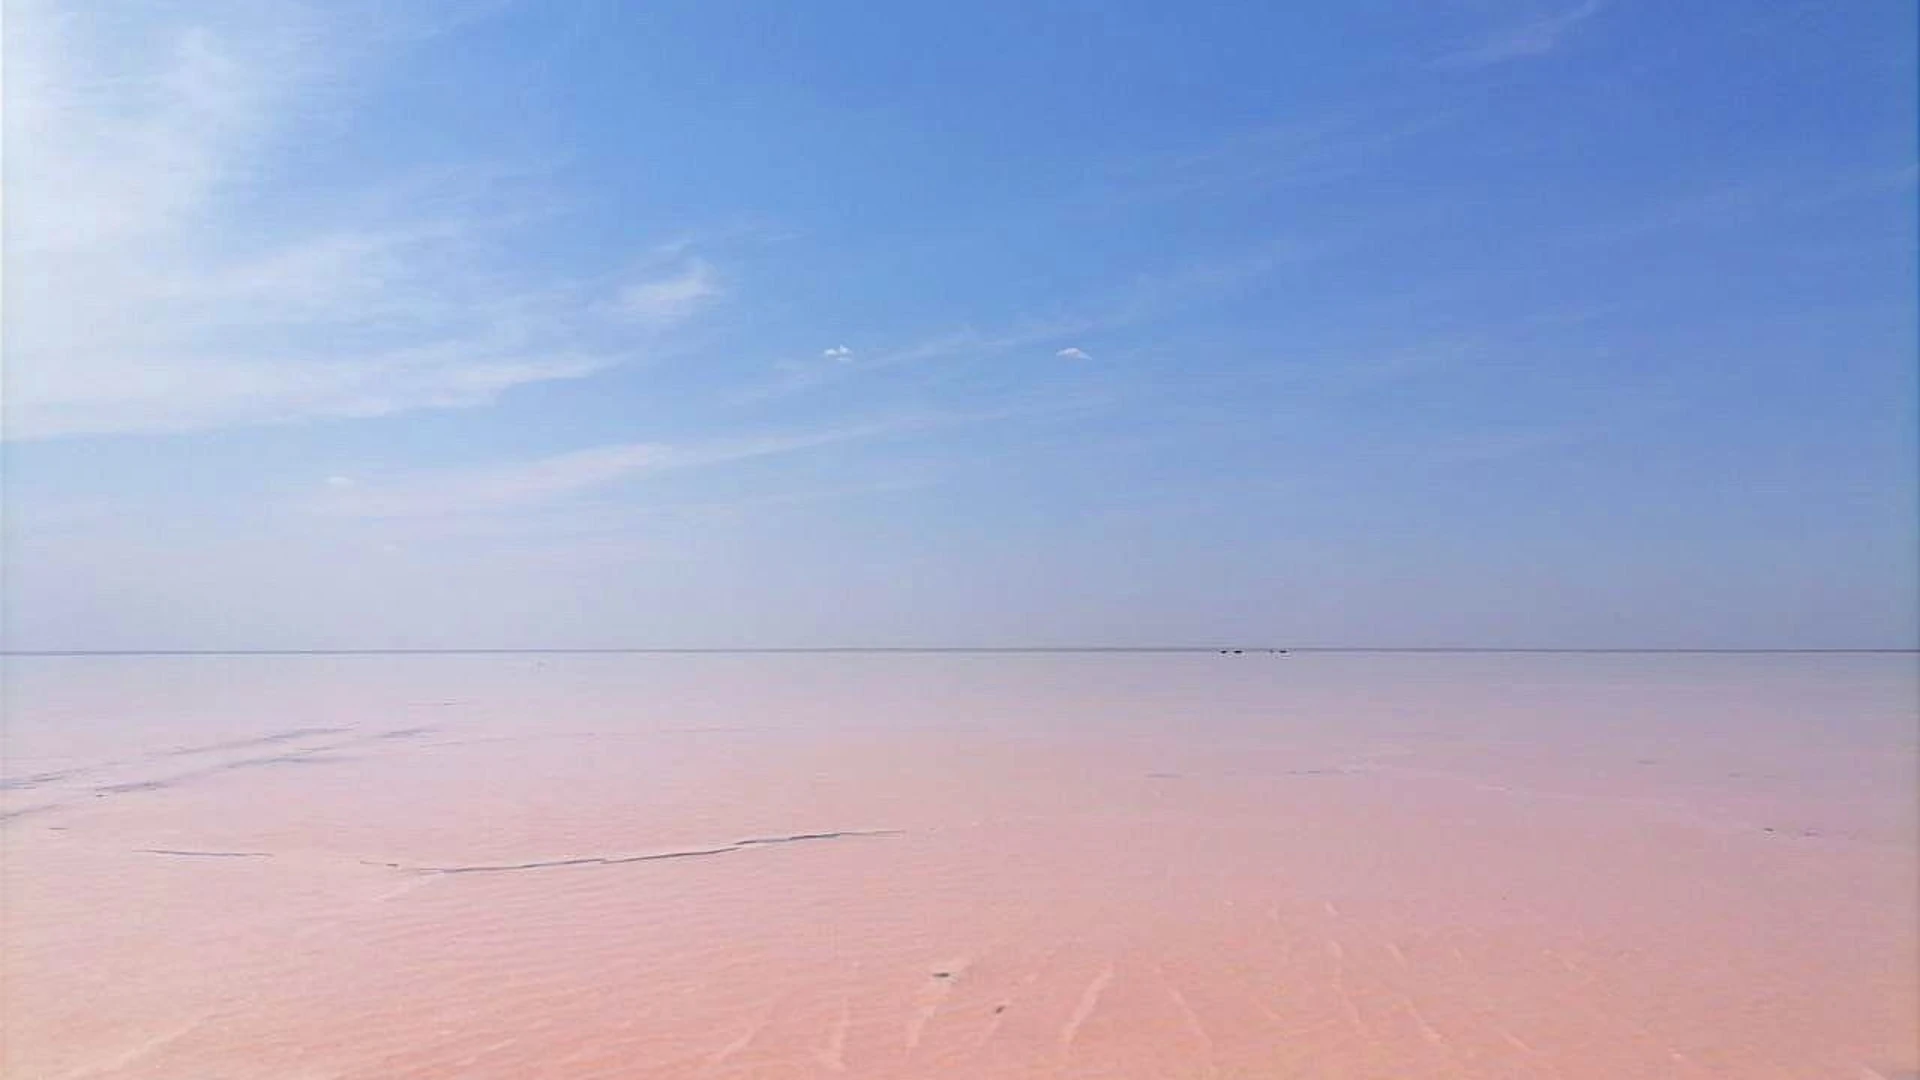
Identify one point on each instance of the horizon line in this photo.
(948, 649)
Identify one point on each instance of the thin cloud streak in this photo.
(668, 300)
(538, 483)
(1300, 151)
(522, 485)
(1536, 37)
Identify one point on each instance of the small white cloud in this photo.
(838, 352)
(339, 481)
(1072, 353)
(671, 299)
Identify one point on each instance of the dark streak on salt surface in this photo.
(180, 853)
(620, 860)
(263, 740)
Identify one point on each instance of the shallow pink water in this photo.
(993, 866)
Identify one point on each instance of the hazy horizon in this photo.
(1235, 649)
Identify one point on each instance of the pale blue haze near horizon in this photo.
(574, 324)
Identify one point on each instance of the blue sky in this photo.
(1490, 322)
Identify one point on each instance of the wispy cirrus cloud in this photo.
(168, 273)
(546, 481)
(670, 299)
(1533, 37)
(1748, 198)
(1306, 149)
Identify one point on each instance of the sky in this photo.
(1541, 323)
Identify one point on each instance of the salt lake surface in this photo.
(980, 865)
